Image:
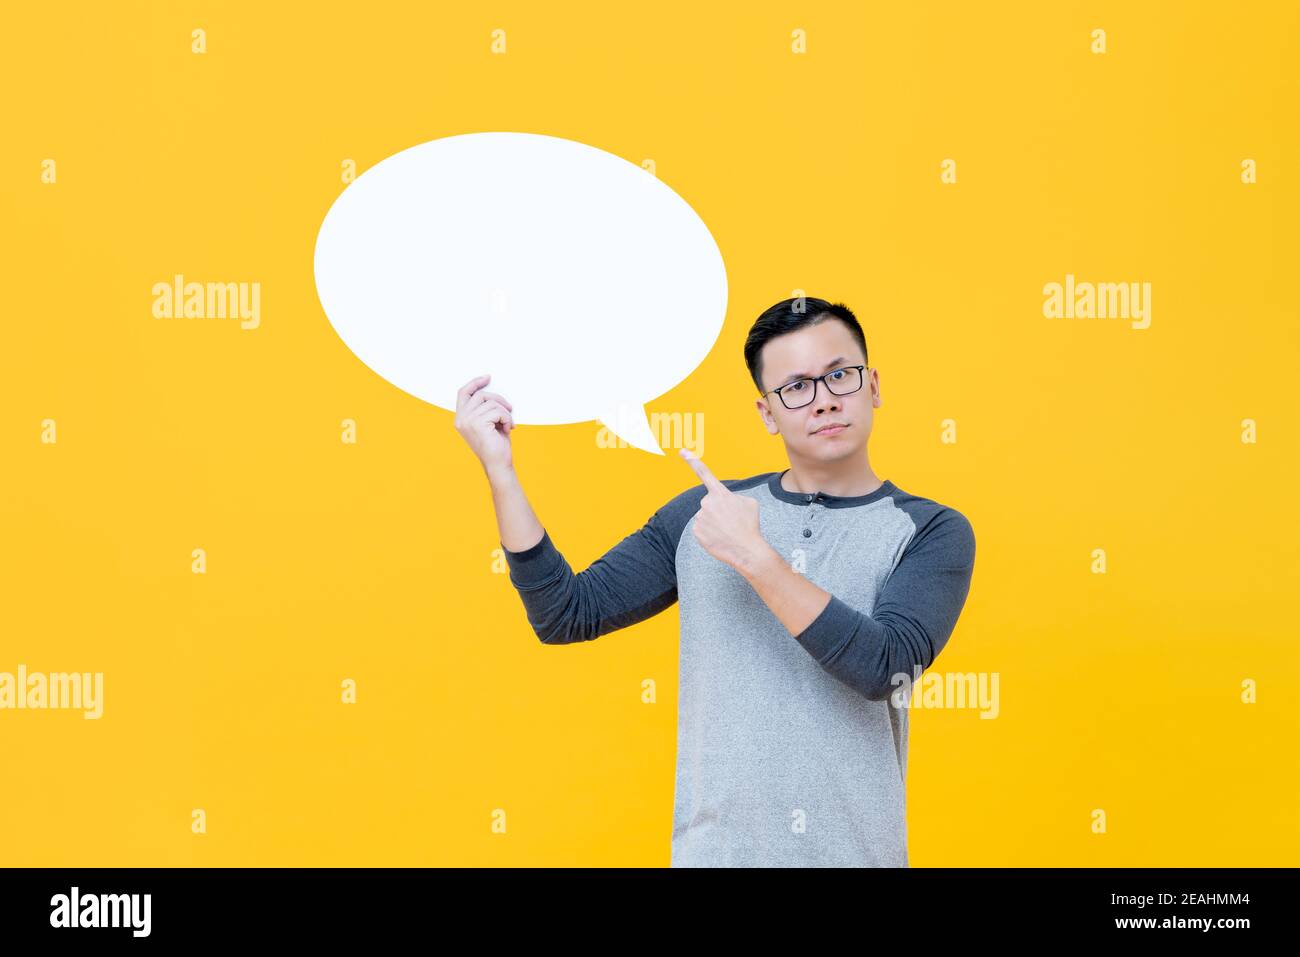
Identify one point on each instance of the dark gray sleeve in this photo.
(914, 615)
(634, 580)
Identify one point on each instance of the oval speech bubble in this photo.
(578, 280)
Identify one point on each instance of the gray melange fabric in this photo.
(789, 752)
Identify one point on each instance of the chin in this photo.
(828, 449)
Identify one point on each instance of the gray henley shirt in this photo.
(789, 751)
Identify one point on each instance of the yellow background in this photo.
(817, 172)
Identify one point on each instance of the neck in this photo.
(847, 477)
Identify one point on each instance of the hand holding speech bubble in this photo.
(579, 281)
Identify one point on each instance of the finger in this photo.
(485, 394)
(697, 465)
(506, 421)
(495, 413)
(498, 422)
(487, 409)
(469, 388)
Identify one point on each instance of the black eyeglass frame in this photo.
(862, 380)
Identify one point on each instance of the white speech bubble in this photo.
(578, 280)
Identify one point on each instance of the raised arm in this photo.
(635, 579)
(484, 421)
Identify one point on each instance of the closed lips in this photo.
(831, 425)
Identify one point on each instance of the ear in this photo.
(765, 414)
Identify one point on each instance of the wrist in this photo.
(760, 562)
(499, 476)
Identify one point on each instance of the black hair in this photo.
(789, 315)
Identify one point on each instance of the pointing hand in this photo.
(726, 524)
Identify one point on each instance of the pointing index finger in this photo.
(697, 465)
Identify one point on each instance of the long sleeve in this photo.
(631, 582)
(914, 615)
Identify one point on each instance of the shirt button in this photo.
(807, 533)
(810, 498)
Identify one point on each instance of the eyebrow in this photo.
(808, 375)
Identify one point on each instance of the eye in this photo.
(839, 374)
(796, 386)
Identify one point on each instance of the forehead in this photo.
(808, 350)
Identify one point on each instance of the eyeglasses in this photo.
(802, 392)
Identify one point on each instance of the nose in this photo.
(827, 401)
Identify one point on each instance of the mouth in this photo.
(835, 429)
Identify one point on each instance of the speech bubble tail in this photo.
(630, 423)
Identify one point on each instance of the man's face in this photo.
(810, 352)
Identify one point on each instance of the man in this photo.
(809, 597)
